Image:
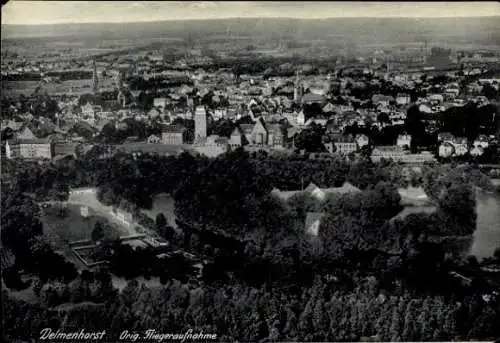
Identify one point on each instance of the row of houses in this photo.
(451, 146)
(24, 144)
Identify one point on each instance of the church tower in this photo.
(119, 80)
(95, 80)
(298, 91)
(200, 125)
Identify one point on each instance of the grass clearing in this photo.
(71, 227)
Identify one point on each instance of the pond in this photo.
(487, 234)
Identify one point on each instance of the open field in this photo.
(60, 231)
(90, 199)
(73, 227)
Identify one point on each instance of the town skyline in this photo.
(83, 12)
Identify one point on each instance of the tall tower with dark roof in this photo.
(95, 79)
(298, 90)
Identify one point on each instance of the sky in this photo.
(56, 12)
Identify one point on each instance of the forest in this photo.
(364, 277)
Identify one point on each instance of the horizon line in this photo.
(232, 18)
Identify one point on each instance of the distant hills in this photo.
(484, 30)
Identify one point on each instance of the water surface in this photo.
(487, 234)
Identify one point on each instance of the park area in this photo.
(72, 226)
(69, 225)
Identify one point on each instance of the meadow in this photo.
(72, 226)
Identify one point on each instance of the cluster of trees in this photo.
(39, 104)
(139, 83)
(436, 178)
(104, 232)
(87, 286)
(111, 134)
(71, 75)
(22, 234)
(260, 253)
(310, 139)
(322, 312)
(471, 120)
(355, 222)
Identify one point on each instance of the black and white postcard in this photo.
(250, 171)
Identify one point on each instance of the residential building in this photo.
(216, 140)
(329, 108)
(435, 98)
(340, 144)
(362, 140)
(173, 135)
(425, 108)
(403, 141)
(420, 158)
(89, 110)
(259, 133)
(24, 133)
(318, 121)
(387, 152)
(160, 102)
(476, 150)
(330, 147)
(403, 99)
(276, 135)
(62, 148)
(154, 139)
(13, 125)
(28, 149)
(459, 144)
(346, 147)
(312, 98)
(153, 113)
(446, 149)
(379, 99)
(481, 141)
(246, 130)
(461, 149)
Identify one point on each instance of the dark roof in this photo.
(344, 139)
(311, 187)
(275, 128)
(311, 97)
(174, 129)
(28, 141)
(344, 189)
(246, 128)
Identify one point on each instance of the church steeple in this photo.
(95, 80)
(298, 90)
